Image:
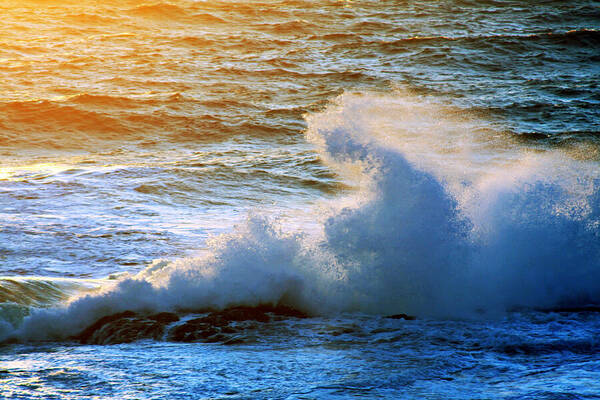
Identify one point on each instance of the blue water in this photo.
(178, 168)
(538, 355)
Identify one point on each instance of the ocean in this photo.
(299, 199)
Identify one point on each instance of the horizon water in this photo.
(299, 199)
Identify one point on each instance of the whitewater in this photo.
(290, 199)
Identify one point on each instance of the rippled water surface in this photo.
(349, 159)
(329, 358)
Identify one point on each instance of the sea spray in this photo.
(433, 229)
(466, 217)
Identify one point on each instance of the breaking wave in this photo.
(450, 217)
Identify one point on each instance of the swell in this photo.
(87, 19)
(572, 115)
(19, 295)
(49, 124)
(85, 120)
(31, 292)
(173, 13)
(295, 27)
(352, 75)
(159, 10)
(583, 38)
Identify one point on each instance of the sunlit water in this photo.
(361, 158)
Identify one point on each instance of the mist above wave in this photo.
(450, 217)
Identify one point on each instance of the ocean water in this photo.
(294, 199)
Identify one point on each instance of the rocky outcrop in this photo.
(225, 326)
(126, 327)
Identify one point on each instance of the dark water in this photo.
(348, 159)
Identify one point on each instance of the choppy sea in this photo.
(299, 199)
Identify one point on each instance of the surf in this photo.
(448, 217)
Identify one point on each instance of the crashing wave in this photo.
(450, 217)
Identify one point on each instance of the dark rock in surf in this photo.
(219, 326)
(226, 326)
(192, 331)
(86, 335)
(402, 316)
(164, 317)
(126, 327)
